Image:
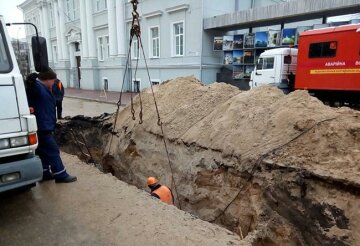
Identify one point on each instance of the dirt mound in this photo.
(248, 125)
(182, 103)
(277, 169)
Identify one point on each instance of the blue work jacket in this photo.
(44, 104)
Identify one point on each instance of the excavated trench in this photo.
(270, 193)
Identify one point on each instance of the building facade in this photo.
(83, 38)
(88, 40)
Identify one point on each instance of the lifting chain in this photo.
(136, 32)
(135, 26)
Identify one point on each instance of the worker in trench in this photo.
(159, 191)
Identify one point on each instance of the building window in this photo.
(178, 39)
(103, 48)
(324, 49)
(100, 49)
(100, 5)
(28, 29)
(107, 46)
(154, 42)
(51, 15)
(97, 5)
(71, 10)
(35, 22)
(134, 49)
(75, 10)
(136, 87)
(155, 82)
(68, 9)
(55, 54)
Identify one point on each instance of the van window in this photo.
(268, 63)
(324, 49)
(5, 63)
(265, 63)
(259, 64)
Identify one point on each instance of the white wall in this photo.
(218, 7)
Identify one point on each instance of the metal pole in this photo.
(36, 31)
(24, 23)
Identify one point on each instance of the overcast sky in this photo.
(10, 12)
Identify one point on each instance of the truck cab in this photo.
(19, 166)
(274, 67)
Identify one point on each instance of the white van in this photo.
(19, 167)
(274, 66)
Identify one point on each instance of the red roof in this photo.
(331, 29)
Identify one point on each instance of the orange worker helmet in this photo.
(151, 181)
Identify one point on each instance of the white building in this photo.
(88, 39)
(82, 38)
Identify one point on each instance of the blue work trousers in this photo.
(49, 154)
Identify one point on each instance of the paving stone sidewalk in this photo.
(111, 97)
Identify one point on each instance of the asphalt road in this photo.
(73, 106)
(98, 210)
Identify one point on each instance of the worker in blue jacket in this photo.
(43, 103)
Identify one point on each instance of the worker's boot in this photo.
(67, 179)
(47, 176)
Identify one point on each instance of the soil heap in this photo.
(276, 169)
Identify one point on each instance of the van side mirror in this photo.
(40, 55)
(287, 59)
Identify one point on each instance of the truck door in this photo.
(9, 110)
(264, 73)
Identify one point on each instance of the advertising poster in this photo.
(238, 42)
(228, 42)
(299, 30)
(249, 40)
(249, 57)
(238, 72)
(218, 43)
(228, 57)
(288, 36)
(238, 57)
(261, 39)
(274, 38)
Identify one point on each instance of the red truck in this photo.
(326, 63)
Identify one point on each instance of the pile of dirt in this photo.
(276, 169)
